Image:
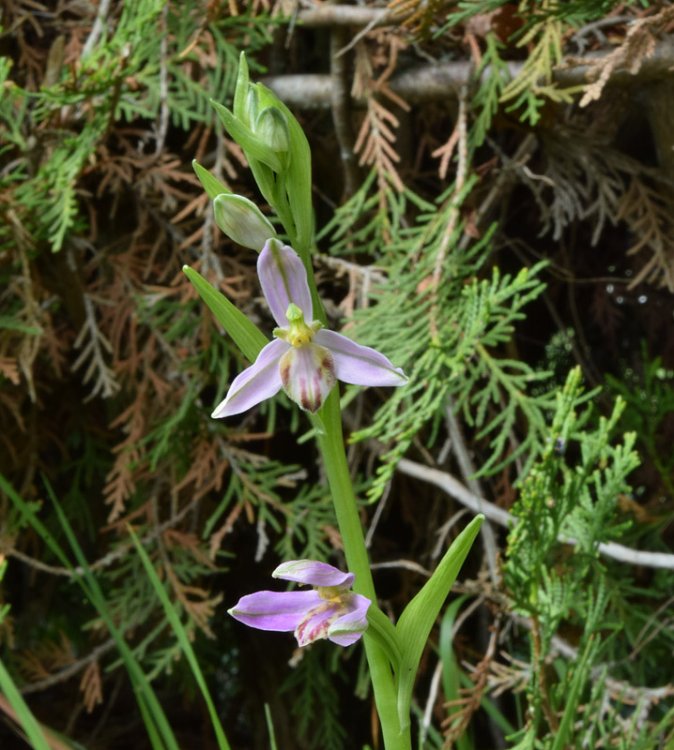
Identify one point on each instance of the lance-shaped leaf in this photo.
(253, 146)
(247, 336)
(209, 182)
(416, 621)
(241, 90)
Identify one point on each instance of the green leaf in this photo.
(451, 671)
(24, 715)
(249, 142)
(211, 184)
(416, 621)
(270, 727)
(247, 336)
(563, 736)
(384, 632)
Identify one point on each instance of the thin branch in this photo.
(467, 468)
(343, 15)
(341, 114)
(70, 671)
(403, 565)
(106, 560)
(459, 492)
(619, 689)
(97, 28)
(425, 83)
(436, 82)
(360, 35)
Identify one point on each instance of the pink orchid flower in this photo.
(329, 611)
(304, 359)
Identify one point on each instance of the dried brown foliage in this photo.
(375, 143)
(639, 44)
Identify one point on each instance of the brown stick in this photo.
(437, 82)
(344, 15)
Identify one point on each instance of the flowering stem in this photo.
(331, 444)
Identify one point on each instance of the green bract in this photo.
(211, 184)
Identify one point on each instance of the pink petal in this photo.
(308, 375)
(348, 628)
(275, 610)
(258, 382)
(283, 279)
(316, 624)
(313, 573)
(357, 364)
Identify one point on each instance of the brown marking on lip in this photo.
(317, 391)
(328, 367)
(285, 372)
(305, 398)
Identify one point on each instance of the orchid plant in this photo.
(306, 360)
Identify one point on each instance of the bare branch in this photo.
(71, 670)
(343, 15)
(438, 81)
(459, 492)
(97, 28)
(341, 104)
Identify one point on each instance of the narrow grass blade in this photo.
(270, 728)
(183, 640)
(19, 711)
(451, 671)
(159, 731)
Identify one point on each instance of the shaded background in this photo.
(110, 365)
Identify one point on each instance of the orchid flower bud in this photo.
(271, 127)
(251, 107)
(242, 221)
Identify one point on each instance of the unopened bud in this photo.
(251, 107)
(242, 221)
(271, 128)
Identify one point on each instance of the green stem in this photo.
(331, 444)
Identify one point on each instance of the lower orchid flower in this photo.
(329, 611)
(303, 359)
